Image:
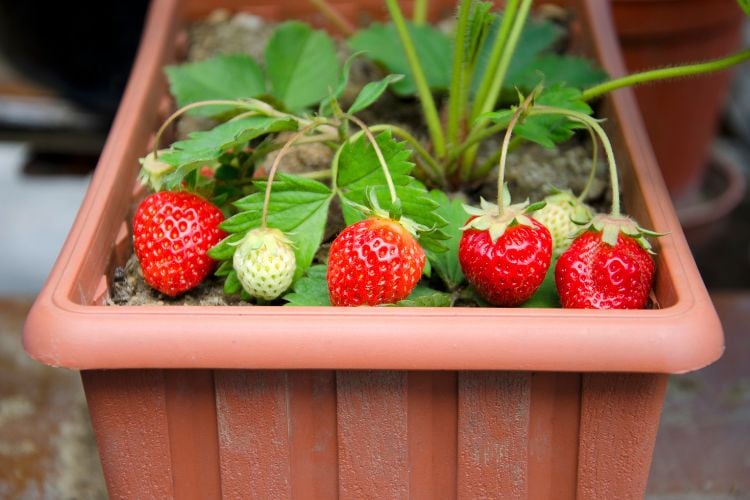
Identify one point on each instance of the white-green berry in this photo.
(558, 215)
(264, 262)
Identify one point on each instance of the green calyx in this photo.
(611, 226)
(153, 170)
(489, 218)
(270, 237)
(395, 213)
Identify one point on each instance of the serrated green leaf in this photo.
(383, 45)
(446, 263)
(298, 207)
(225, 248)
(359, 166)
(310, 290)
(301, 64)
(548, 130)
(371, 92)
(326, 105)
(207, 146)
(229, 76)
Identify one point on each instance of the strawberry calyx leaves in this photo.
(611, 226)
(488, 217)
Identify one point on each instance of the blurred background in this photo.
(63, 68)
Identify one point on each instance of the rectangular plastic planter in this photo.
(276, 402)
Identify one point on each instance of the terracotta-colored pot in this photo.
(681, 116)
(368, 402)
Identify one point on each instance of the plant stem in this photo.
(503, 158)
(498, 46)
(185, 109)
(420, 12)
(457, 95)
(379, 154)
(435, 171)
(423, 90)
(275, 166)
(592, 173)
(590, 122)
(665, 73)
(335, 17)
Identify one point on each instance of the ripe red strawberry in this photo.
(505, 257)
(374, 261)
(172, 231)
(606, 267)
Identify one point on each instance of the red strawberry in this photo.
(171, 234)
(608, 266)
(505, 257)
(374, 261)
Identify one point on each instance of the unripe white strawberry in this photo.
(558, 215)
(264, 262)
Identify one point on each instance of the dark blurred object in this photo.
(681, 116)
(81, 50)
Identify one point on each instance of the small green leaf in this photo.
(371, 92)
(383, 45)
(430, 299)
(551, 69)
(446, 263)
(326, 105)
(225, 250)
(546, 296)
(311, 289)
(298, 207)
(232, 284)
(207, 146)
(359, 166)
(233, 76)
(301, 64)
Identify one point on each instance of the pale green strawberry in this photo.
(558, 214)
(264, 262)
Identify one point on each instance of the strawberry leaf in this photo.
(382, 44)
(311, 289)
(428, 298)
(551, 69)
(371, 92)
(301, 64)
(446, 263)
(231, 76)
(298, 207)
(208, 146)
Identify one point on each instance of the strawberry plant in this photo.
(398, 196)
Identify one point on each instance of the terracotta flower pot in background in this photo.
(388, 402)
(681, 116)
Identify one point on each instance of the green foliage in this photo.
(301, 65)
(298, 207)
(381, 43)
(446, 263)
(310, 290)
(360, 174)
(546, 296)
(371, 92)
(233, 76)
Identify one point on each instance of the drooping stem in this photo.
(381, 159)
(594, 124)
(275, 166)
(665, 73)
(504, 154)
(423, 90)
(335, 17)
(592, 173)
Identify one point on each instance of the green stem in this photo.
(275, 166)
(185, 109)
(591, 122)
(343, 24)
(665, 73)
(486, 167)
(435, 171)
(379, 154)
(498, 46)
(457, 95)
(423, 90)
(420, 12)
(503, 158)
(592, 173)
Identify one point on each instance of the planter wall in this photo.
(681, 116)
(380, 402)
